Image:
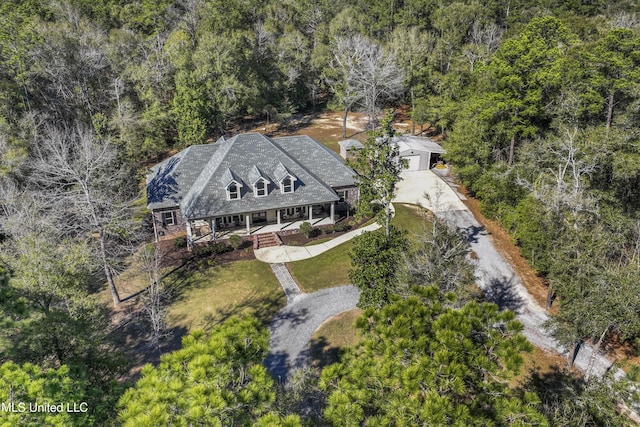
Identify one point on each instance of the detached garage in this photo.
(420, 152)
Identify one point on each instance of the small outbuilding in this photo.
(420, 152)
(348, 146)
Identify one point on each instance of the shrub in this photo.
(180, 242)
(328, 229)
(235, 241)
(220, 248)
(341, 226)
(306, 229)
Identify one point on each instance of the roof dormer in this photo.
(259, 181)
(232, 185)
(286, 180)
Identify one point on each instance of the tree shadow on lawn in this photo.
(262, 307)
(501, 291)
(321, 353)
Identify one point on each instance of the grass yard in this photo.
(332, 336)
(323, 271)
(208, 297)
(411, 218)
(331, 268)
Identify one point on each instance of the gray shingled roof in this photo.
(207, 198)
(254, 174)
(192, 178)
(318, 159)
(170, 180)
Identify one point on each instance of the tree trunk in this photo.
(344, 121)
(609, 112)
(387, 219)
(512, 148)
(107, 271)
(413, 110)
(550, 296)
(594, 355)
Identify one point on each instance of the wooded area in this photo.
(537, 102)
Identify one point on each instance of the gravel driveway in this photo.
(494, 274)
(293, 326)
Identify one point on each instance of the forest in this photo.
(536, 102)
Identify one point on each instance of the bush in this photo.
(180, 242)
(341, 226)
(306, 229)
(210, 249)
(235, 241)
(328, 229)
(220, 248)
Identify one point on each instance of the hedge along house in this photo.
(248, 184)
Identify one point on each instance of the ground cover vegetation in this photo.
(537, 103)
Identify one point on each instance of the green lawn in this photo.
(334, 335)
(411, 218)
(323, 271)
(206, 298)
(331, 268)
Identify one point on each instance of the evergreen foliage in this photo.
(423, 363)
(213, 380)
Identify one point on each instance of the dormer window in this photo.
(233, 191)
(260, 188)
(285, 178)
(287, 185)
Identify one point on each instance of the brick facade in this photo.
(162, 219)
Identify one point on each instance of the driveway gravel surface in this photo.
(293, 326)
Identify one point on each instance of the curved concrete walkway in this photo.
(280, 254)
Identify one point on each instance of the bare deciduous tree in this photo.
(149, 259)
(362, 72)
(76, 174)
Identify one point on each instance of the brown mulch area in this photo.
(176, 257)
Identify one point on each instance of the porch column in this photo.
(310, 207)
(333, 212)
(278, 216)
(155, 227)
(189, 235)
(212, 223)
(248, 224)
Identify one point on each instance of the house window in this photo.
(169, 218)
(233, 192)
(287, 185)
(342, 195)
(261, 188)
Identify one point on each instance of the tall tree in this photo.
(613, 69)
(440, 257)
(526, 71)
(422, 363)
(77, 173)
(378, 166)
(375, 261)
(215, 380)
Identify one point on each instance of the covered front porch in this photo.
(252, 223)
